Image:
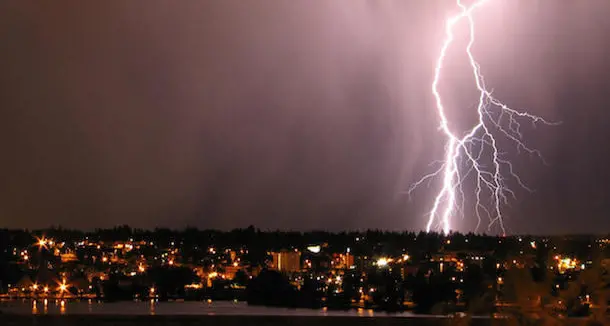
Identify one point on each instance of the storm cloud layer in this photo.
(285, 114)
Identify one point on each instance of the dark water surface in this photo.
(56, 307)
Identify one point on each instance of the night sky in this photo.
(287, 114)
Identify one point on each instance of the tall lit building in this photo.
(287, 261)
(343, 261)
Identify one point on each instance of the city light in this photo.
(382, 262)
(566, 263)
(193, 286)
(63, 287)
(41, 242)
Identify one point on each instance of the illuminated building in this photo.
(287, 261)
(564, 264)
(231, 270)
(68, 257)
(343, 261)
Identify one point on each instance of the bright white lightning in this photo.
(494, 119)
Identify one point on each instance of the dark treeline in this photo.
(370, 242)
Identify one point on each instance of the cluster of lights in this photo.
(124, 246)
(195, 286)
(382, 262)
(44, 242)
(385, 261)
(61, 288)
(25, 256)
(566, 263)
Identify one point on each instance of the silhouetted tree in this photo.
(272, 289)
(310, 295)
(432, 292)
(170, 281)
(241, 278)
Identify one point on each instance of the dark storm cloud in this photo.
(281, 114)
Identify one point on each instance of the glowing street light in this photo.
(41, 242)
(63, 287)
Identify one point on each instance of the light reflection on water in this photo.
(174, 308)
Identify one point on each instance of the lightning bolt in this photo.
(465, 154)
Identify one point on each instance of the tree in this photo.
(170, 281)
(309, 295)
(432, 293)
(478, 290)
(241, 278)
(271, 288)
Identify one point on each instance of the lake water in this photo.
(56, 307)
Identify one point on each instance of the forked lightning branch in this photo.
(474, 154)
